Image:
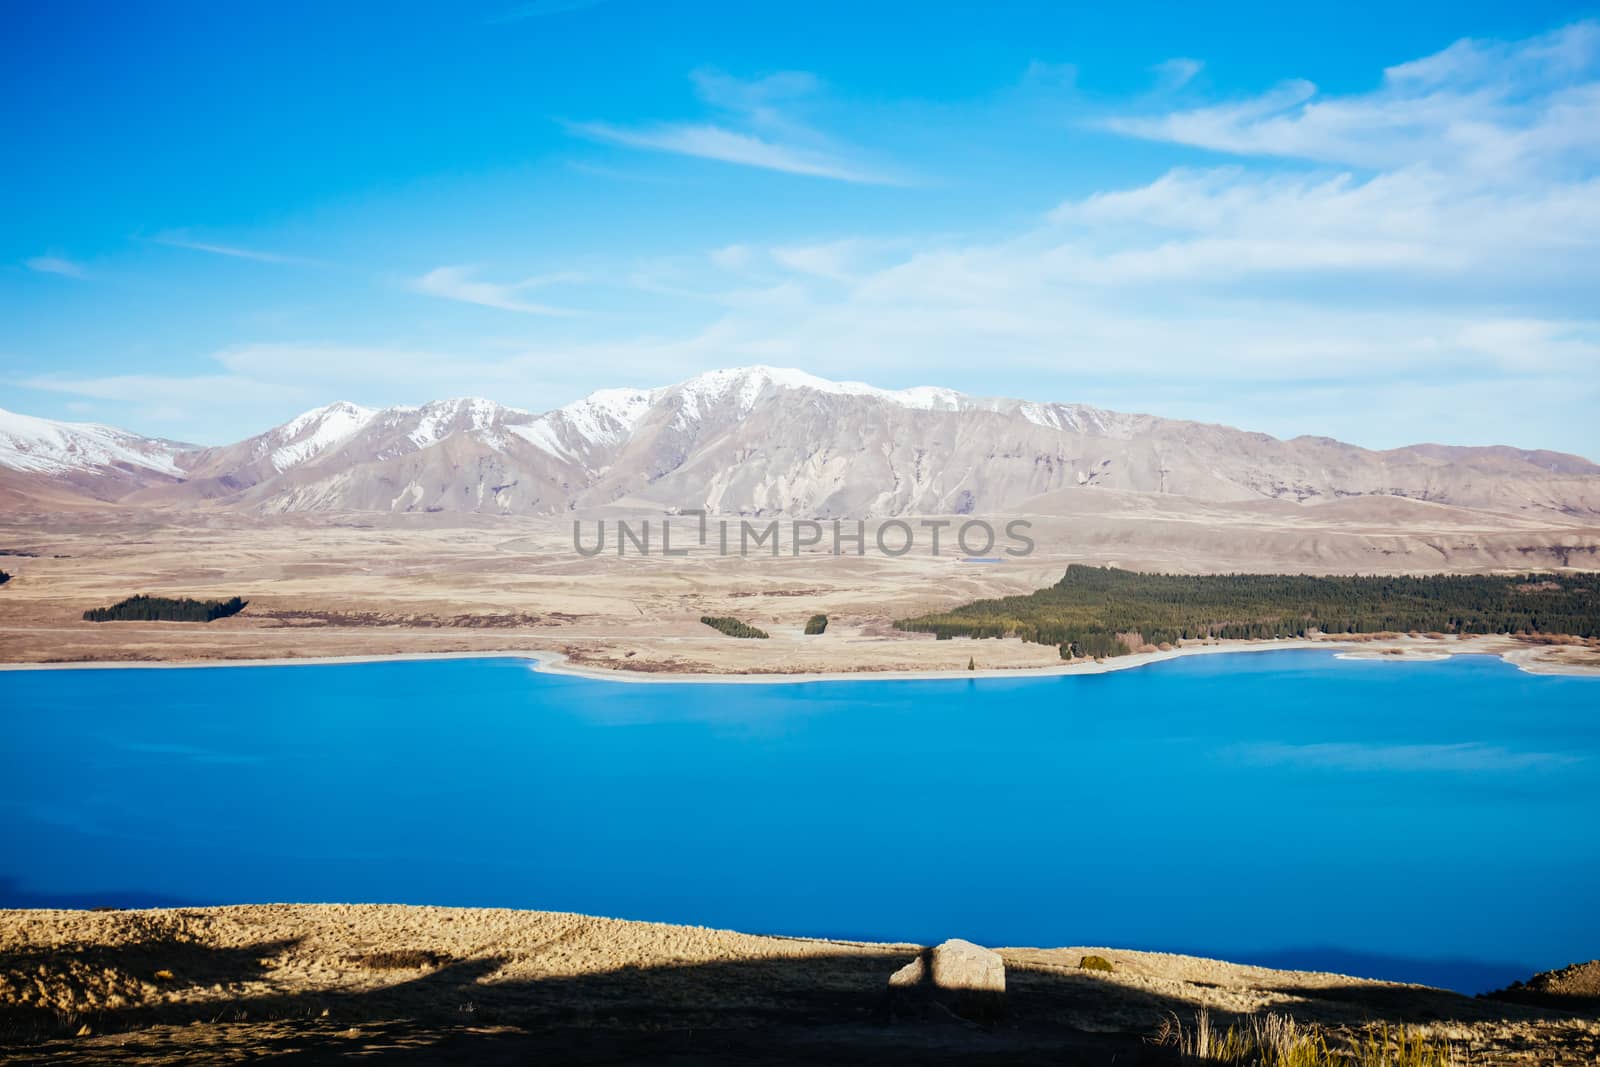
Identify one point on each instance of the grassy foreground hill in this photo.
(1105, 611)
(492, 986)
(354, 983)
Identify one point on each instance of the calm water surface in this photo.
(1425, 821)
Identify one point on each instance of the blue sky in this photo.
(1374, 222)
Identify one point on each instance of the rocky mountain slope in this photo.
(64, 460)
(766, 441)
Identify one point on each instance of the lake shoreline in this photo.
(549, 661)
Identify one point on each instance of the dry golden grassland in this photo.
(363, 585)
(487, 985)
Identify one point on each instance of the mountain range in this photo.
(753, 440)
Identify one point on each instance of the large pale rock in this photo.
(966, 978)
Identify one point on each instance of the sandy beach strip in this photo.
(550, 661)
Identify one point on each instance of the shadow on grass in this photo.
(832, 1009)
(817, 1009)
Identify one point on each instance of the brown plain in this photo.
(369, 584)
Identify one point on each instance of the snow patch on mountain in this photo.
(542, 435)
(1050, 416)
(744, 386)
(609, 415)
(45, 446)
(316, 431)
(482, 418)
(602, 419)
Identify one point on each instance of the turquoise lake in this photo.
(1432, 822)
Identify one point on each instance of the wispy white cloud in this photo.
(758, 99)
(754, 129)
(839, 261)
(1219, 224)
(182, 240)
(458, 283)
(248, 388)
(1177, 72)
(1465, 757)
(56, 265)
(1487, 105)
(1379, 304)
(153, 389)
(733, 257)
(206, 408)
(1372, 294)
(728, 146)
(1052, 76)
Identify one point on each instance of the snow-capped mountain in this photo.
(307, 437)
(762, 440)
(48, 447)
(81, 459)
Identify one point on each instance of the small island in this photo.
(166, 609)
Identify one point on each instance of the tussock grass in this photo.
(404, 959)
(1274, 1040)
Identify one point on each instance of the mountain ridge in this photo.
(759, 440)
